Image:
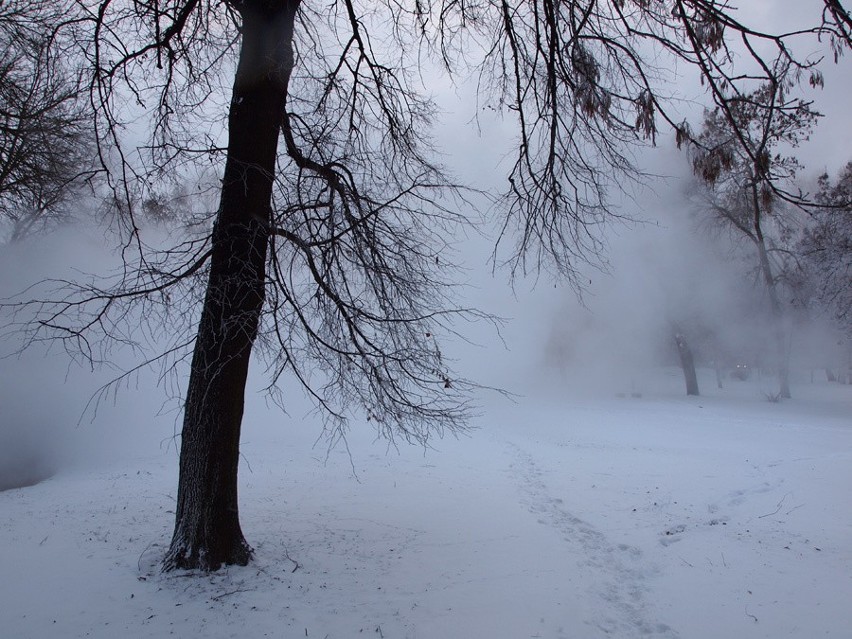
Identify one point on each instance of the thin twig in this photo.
(777, 510)
(750, 615)
(232, 592)
(296, 564)
(147, 548)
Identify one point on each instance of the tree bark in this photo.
(687, 363)
(207, 530)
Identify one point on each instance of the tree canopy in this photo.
(827, 248)
(46, 148)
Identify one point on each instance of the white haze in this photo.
(48, 416)
(668, 265)
(659, 269)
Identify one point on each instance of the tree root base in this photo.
(199, 557)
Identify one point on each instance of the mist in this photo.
(676, 271)
(53, 415)
(664, 267)
(658, 274)
(663, 277)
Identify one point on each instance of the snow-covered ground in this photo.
(622, 516)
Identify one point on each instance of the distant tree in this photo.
(46, 146)
(687, 362)
(822, 287)
(329, 247)
(826, 246)
(737, 155)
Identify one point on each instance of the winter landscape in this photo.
(661, 516)
(596, 501)
(504, 319)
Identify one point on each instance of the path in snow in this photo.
(618, 568)
(660, 518)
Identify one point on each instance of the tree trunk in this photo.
(777, 320)
(774, 302)
(207, 529)
(687, 363)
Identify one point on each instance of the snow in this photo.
(658, 515)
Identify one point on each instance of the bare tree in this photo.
(826, 246)
(329, 247)
(821, 284)
(46, 149)
(687, 361)
(748, 181)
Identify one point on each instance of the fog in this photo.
(52, 416)
(668, 271)
(665, 268)
(673, 273)
(660, 273)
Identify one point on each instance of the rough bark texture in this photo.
(207, 529)
(687, 363)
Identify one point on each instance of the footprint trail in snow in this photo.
(619, 573)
